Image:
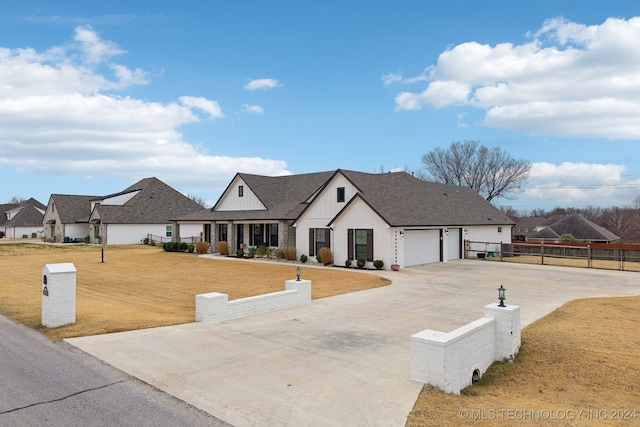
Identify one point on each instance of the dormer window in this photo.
(340, 194)
(240, 190)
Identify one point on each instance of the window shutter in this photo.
(370, 245)
(350, 243)
(312, 242)
(327, 237)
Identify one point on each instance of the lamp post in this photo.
(501, 296)
(298, 273)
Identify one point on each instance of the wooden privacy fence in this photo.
(624, 257)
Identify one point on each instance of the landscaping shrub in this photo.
(145, 241)
(378, 263)
(190, 248)
(303, 258)
(223, 248)
(239, 253)
(251, 253)
(171, 246)
(360, 262)
(262, 251)
(276, 253)
(202, 247)
(183, 246)
(290, 253)
(326, 257)
(348, 262)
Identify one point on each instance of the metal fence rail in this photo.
(611, 257)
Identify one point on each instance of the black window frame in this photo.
(240, 190)
(223, 232)
(340, 195)
(355, 249)
(314, 244)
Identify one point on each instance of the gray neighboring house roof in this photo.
(155, 203)
(578, 226)
(29, 215)
(72, 209)
(399, 198)
(3, 209)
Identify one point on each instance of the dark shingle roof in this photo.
(155, 203)
(4, 208)
(29, 215)
(403, 200)
(399, 198)
(578, 226)
(72, 208)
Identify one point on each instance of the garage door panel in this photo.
(421, 247)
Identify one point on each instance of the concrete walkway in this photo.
(343, 360)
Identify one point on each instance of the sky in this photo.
(97, 95)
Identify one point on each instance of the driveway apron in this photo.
(342, 360)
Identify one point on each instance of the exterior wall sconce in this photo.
(501, 296)
(446, 231)
(401, 233)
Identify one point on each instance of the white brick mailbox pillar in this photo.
(58, 294)
(507, 329)
(452, 360)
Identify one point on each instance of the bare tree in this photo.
(16, 200)
(490, 172)
(199, 200)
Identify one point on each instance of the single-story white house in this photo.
(392, 217)
(22, 220)
(143, 210)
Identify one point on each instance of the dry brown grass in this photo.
(142, 286)
(582, 357)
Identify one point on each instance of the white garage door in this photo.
(421, 247)
(453, 244)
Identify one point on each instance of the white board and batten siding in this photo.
(231, 200)
(421, 247)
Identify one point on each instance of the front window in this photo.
(273, 235)
(169, 231)
(318, 238)
(360, 243)
(53, 231)
(240, 190)
(499, 230)
(222, 232)
(340, 194)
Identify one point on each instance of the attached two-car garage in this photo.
(424, 246)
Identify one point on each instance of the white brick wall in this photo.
(59, 298)
(215, 307)
(447, 360)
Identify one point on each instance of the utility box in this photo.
(58, 294)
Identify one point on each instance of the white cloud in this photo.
(253, 109)
(57, 117)
(210, 107)
(580, 184)
(570, 80)
(262, 84)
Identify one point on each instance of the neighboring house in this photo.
(540, 229)
(22, 220)
(67, 218)
(141, 210)
(525, 227)
(393, 217)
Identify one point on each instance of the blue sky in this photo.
(96, 95)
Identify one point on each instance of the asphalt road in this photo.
(44, 383)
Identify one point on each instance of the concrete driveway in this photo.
(343, 360)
